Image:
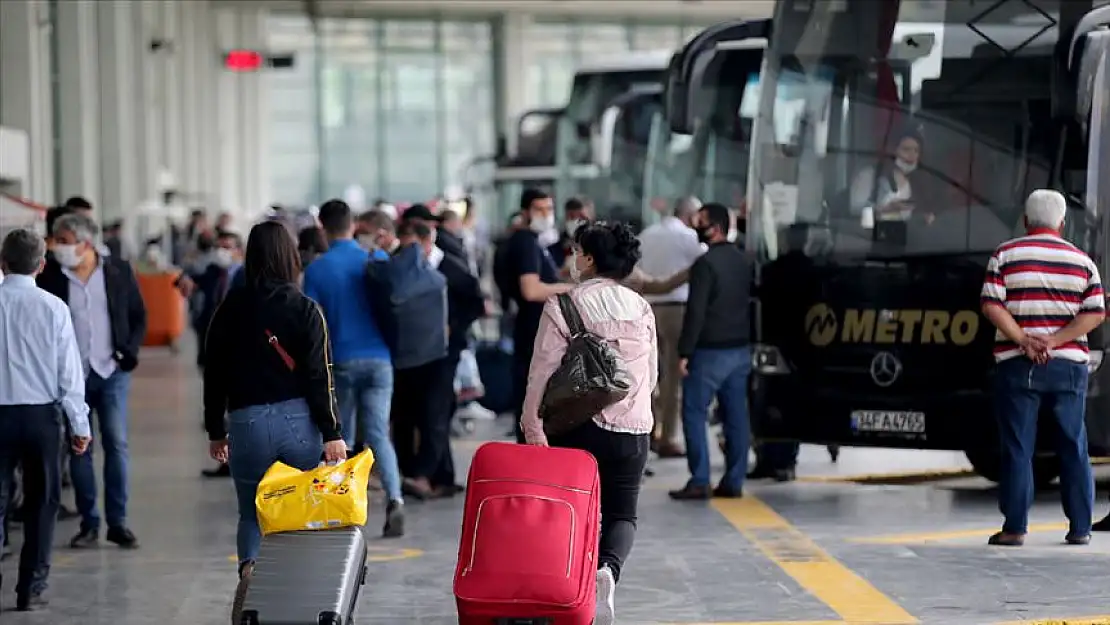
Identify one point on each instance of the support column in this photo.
(78, 98)
(25, 88)
(120, 108)
(510, 66)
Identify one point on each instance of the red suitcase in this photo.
(528, 552)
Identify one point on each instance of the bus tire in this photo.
(987, 462)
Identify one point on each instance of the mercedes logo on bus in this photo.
(885, 369)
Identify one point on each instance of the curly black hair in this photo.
(613, 246)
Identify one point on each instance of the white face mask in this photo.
(548, 237)
(67, 255)
(572, 226)
(904, 166)
(435, 257)
(223, 258)
(542, 224)
(732, 235)
(366, 241)
(575, 272)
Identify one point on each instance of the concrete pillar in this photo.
(78, 100)
(510, 69)
(25, 88)
(122, 123)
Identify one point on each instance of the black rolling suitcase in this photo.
(306, 578)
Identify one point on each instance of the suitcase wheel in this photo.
(330, 618)
(248, 617)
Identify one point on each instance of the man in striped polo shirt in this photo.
(1043, 295)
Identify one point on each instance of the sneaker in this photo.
(246, 569)
(476, 411)
(394, 520)
(123, 537)
(85, 539)
(606, 588)
(29, 602)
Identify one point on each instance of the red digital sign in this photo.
(244, 60)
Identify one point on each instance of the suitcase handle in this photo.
(524, 621)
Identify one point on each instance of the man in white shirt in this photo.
(41, 379)
(670, 247)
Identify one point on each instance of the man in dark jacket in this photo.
(715, 356)
(109, 319)
(447, 241)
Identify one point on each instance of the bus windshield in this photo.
(914, 127)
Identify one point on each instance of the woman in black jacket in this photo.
(269, 372)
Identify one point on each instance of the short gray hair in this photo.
(81, 226)
(23, 251)
(686, 206)
(1045, 208)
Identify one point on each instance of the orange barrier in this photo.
(165, 309)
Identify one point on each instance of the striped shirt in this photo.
(1044, 282)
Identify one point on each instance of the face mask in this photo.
(67, 255)
(366, 241)
(904, 166)
(573, 225)
(435, 257)
(434, 230)
(548, 237)
(732, 234)
(542, 224)
(575, 272)
(223, 258)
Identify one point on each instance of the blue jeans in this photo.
(259, 436)
(364, 390)
(107, 399)
(1020, 386)
(721, 373)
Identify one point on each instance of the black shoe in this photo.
(760, 472)
(394, 520)
(65, 514)
(222, 470)
(785, 475)
(691, 493)
(29, 603)
(727, 492)
(1102, 526)
(122, 537)
(86, 539)
(1077, 539)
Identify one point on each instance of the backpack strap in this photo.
(570, 314)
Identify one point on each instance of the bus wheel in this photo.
(988, 463)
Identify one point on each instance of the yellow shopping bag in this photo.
(325, 497)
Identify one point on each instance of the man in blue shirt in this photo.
(363, 369)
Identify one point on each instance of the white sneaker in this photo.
(606, 587)
(477, 412)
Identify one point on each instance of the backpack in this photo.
(589, 379)
(409, 300)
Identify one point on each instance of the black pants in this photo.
(522, 361)
(31, 436)
(422, 400)
(620, 461)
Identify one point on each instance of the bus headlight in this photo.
(1095, 362)
(768, 360)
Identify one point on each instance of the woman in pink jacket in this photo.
(619, 437)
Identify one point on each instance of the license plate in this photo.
(895, 421)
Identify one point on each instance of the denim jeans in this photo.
(364, 390)
(1020, 385)
(259, 436)
(107, 399)
(720, 373)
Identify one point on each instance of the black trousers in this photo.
(421, 413)
(31, 436)
(522, 361)
(620, 461)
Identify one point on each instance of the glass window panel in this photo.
(333, 99)
(550, 38)
(466, 36)
(410, 34)
(596, 39)
(411, 125)
(289, 22)
(646, 37)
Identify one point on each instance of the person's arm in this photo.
(1091, 313)
(697, 305)
(527, 256)
(653, 357)
(322, 404)
(551, 344)
(215, 374)
(71, 377)
(992, 302)
(136, 314)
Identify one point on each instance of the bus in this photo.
(868, 329)
(567, 150)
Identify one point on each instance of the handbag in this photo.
(589, 378)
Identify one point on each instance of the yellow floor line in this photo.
(853, 598)
(1075, 620)
(932, 537)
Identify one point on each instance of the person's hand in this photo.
(684, 366)
(1036, 348)
(80, 444)
(186, 286)
(635, 280)
(335, 451)
(218, 450)
(930, 218)
(539, 441)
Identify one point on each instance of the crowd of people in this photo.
(334, 332)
